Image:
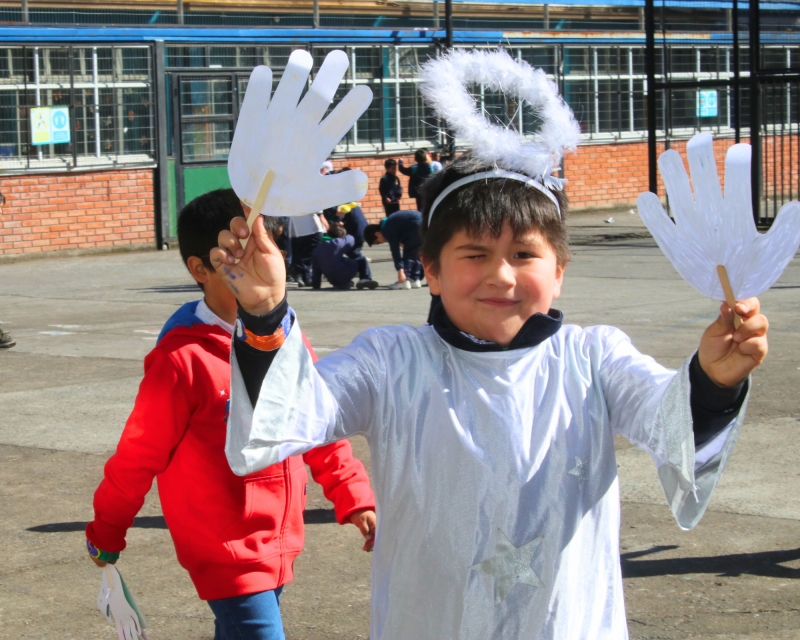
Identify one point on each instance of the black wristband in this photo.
(266, 324)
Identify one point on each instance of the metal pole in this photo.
(449, 136)
(72, 110)
(755, 107)
(162, 162)
(650, 70)
(180, 11)
(737, 121)
(383, 102)
(26, 18)
(96, 104)
(448, 23)
(316, 14)
(38, 90)
(546, 17)
(435, 15)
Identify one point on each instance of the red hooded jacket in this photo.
(234, 535)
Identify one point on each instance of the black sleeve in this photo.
(406, 171)
(713, 407)
(253, 363)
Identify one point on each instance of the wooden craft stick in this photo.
(258, 205)
(729, 297)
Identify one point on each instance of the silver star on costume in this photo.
(581, 471)
(510, 565)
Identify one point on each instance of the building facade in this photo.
(149, 111)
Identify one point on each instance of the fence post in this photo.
(755, 107)
(25, 14)
(161, 196)
(650, 69)
(180, 11)
(316, 14)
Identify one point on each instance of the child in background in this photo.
(237, 537)
(354, 223)
(436, 164)
(338, 260)
(417, 174)
(492, 428)
(390, 188)
(400, 230)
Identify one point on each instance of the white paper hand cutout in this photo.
(117, 605)
(710, 230)
(288, 139)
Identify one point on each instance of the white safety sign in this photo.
(49, 125)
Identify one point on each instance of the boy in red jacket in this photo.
(236, 536)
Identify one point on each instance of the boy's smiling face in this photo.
(491, 286)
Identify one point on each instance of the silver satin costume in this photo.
(494, 473)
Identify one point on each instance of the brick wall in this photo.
(607, 175)
(76, 211)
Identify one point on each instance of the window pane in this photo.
(206, 97)
(205, 141)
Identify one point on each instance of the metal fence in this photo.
(753, 97)
(605, 86)
(107, 92)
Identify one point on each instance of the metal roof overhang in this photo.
(197, 35)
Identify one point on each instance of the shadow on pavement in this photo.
(170, 288)
(310, 516)
(766, 564)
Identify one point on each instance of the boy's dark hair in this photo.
(336, 231)
(200, 222)
(421, 156)
(483, 207)
(389, 163)
(370, 233)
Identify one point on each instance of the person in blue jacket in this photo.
(354, 223)
(401, 228)
(417, 174)
(337, 260)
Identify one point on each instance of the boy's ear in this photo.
(559, 282)
(198, 270)
(431, 275)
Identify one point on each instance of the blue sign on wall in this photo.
(707, 103)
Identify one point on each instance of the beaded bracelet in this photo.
(99, 554)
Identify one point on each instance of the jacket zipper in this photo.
(287, 479)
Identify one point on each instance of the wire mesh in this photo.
(107, 92)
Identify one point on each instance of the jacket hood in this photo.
(185, 322)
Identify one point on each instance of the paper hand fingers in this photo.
(285, 138)
(118, 606)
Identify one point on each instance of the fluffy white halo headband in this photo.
(443, 84)
(486, 175)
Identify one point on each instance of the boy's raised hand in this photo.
(258, 279)
(728, 355)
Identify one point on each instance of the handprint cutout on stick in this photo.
(116, 603)
(712, 231)
(280, 143)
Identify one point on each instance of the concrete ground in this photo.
(83, 326)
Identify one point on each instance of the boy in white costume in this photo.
(491, 428)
